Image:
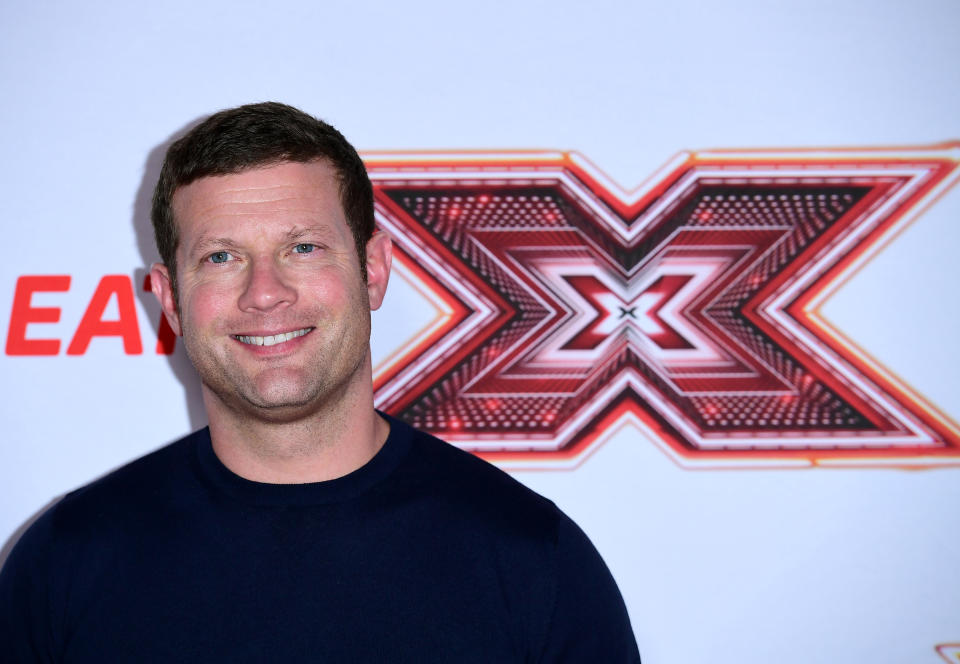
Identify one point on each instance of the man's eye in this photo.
(305, 248)
(219, 257)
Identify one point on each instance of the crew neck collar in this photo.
(213, 472)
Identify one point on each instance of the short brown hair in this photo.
(252, 136)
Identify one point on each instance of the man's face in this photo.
(273, 310)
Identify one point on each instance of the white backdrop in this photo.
(734, 566)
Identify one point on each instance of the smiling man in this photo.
(273, 302)
(302, 525)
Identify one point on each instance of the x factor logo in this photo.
(689, 307)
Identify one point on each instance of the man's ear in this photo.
(162, 287)
(379, 258)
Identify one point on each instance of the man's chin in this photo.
(276, 406)
(282, 405)
(280, 413)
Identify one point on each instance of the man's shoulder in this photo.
(473, 487)
(131, 488)
(455, 468)
(82, 525)
(551, 572)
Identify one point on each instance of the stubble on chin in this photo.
(276, 395)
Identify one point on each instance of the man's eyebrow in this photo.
(206, 244)
(300, 232)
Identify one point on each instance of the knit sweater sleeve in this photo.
(27, 618)
(589, 620)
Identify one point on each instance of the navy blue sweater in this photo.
(425, 554)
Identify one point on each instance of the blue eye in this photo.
(305, 248)
(219, 257)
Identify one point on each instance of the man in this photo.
(302, 525)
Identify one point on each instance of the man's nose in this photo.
(266, 286)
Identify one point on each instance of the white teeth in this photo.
(272, 339)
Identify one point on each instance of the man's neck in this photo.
(326, 445)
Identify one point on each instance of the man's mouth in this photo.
(273, 339)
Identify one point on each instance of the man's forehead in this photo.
(272, 184)
(303, 193)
